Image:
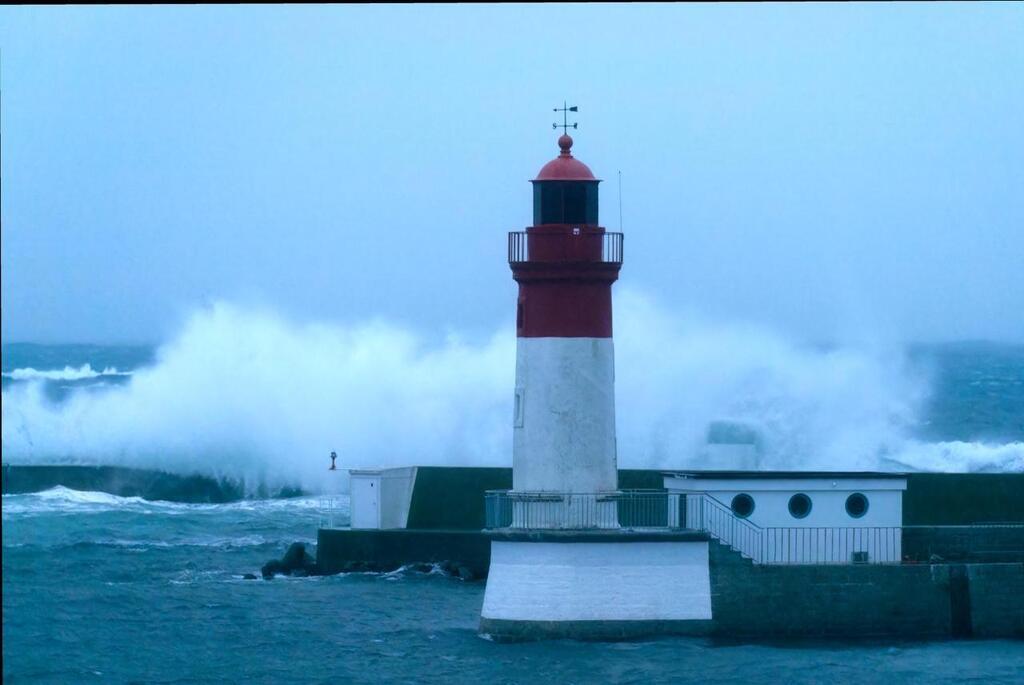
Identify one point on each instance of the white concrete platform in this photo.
(596, 590)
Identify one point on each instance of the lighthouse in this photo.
(565, 265)
(572, 555)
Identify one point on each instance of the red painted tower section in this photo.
(565, 268)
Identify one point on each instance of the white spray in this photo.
(247, 395)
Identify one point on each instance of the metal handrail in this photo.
(629, 509)
(718, 520)
(330, 511)
(518, 250)
(611, 247)
(660, 509)
(646, 509)
(794, 544)
(832, 545)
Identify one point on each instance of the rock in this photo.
(450, 568)
(294, 563)
(249, 576)
(295, 558)
(271, 569)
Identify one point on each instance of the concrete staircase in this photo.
(723, 554)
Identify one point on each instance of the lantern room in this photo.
(565, 190)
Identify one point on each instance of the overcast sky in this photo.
(830, 171)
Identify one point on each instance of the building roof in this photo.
(565, 167)
(769, 475)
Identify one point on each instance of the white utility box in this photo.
(380, 498)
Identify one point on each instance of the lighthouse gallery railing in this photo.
(646, 509)
(610, 247)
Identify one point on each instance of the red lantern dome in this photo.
(565, 167)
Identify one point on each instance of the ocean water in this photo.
(99, 588)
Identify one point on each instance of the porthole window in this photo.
(742, 505)
(799, 505)
(856, 505)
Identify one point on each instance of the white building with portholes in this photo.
(796, 517)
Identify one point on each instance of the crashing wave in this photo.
(250, 396)
(960, 457)
(61, 499)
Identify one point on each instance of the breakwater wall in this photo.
(974, 544)
(129, 482)
(755, 601)
(865, 601)
(341, 550)
(949, 499)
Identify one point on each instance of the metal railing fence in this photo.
(707, 514)
(646, 509)
(563, 247)
(831, 545)
(332, 513)
(794, 544)
(579, 511)
(518, 249)
(659, 509)
(611, 248)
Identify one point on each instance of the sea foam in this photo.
(61, 499)
(68, 373)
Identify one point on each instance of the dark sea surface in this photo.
(99, 588)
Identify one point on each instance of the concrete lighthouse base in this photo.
(596, 585)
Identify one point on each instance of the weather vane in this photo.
(565, 109)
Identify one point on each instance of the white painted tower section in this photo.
(564, 422)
